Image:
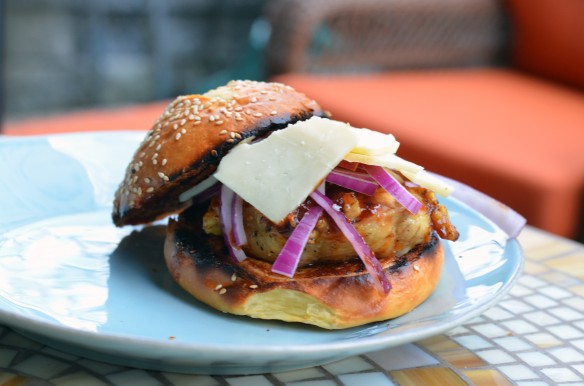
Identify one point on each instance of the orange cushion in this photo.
(517, 138)
(549, 38)
(140, 117)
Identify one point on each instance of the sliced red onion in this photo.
(225, 209)
(506, 218)
(207, 193)
(197, 189)
(394, 188)
(239, 236)
(357, 182)
(367, 256)
(289, 256)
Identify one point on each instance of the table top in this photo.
(534, 336)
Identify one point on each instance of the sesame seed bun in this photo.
(185, 145)
(328, 295)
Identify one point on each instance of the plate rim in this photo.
(361, 344)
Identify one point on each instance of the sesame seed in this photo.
(238, 108)
(142, 155)
(254, 100)
(239, 118)
(272, 99)
(233, 277)
(197, 101)
(218, 287)
(219, 122)
(223, 132)
(177, 136)
(248, 111)
(182, 122)
(191, 117)
(237, 135)
(164, 162)
(158, 147)
(263, 92)
(273, 112)
(416, 268)
(230, 140)
(147, 180)
(175, 126)
(184, 131)
(196, 122)
(214, 153)
(257, 115)
(222, 291)
(154, 162)
(212, 118)
(150, 190)
(197, 118)
(187, 102)
(253, 286)
(232, 134)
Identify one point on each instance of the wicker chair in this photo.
(489, 92)
(332, 36)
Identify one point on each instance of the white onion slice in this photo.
(367, 256)
(225, 210)
(287, 261)
(394, 188)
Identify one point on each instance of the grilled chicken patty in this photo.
(386, 226)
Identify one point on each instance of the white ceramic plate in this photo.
(70, 279)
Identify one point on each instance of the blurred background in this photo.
(488, 92)
(63, 55)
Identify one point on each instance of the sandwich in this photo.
(279, 212)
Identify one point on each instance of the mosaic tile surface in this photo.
(534, 336)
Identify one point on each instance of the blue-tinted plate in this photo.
(70, 279)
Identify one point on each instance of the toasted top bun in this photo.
(186, 143)
(331, 295)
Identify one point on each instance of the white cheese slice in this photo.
(277, 174)
(429, 181)
(390, 161)
(374, 143)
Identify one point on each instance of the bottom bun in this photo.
(331, 296)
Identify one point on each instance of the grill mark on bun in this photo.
(199, 263)
(186, 143)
